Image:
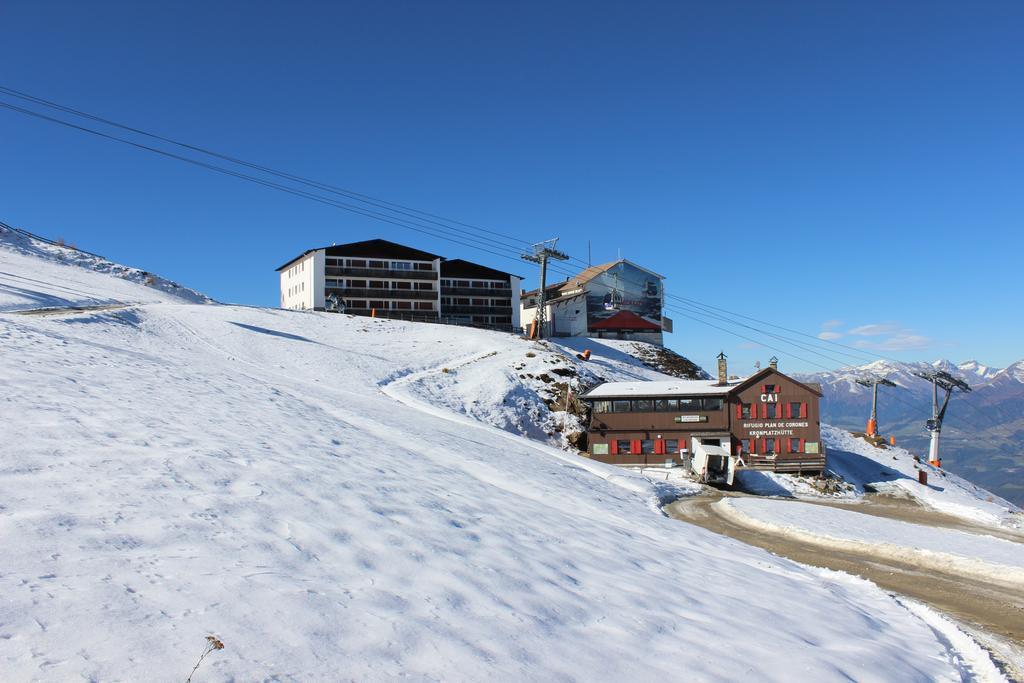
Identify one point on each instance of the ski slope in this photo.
(281, 480)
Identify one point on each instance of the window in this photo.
(424, 266)
(709, 404)
(689, 405)
(647, 446)
(378, 284)
(425, 285)
(356, 263)
(377, 264)
(796, 410)
(478, 284)
(745, 446)
(602, 406)
(665, 405)
(599, 449)
(671, 446)
(771, 410)
(424, 306)
(446, 283)
(403, 305)
(771, 446)
(479, 302)
(794, 446)
(378, 304)
(461, 302)
(401, 285)
(768, 389)
(357, 283)
(620, 407)
(643, 405)
(622, 445)
(746, 411)
(401, 265)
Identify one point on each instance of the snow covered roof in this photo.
(675, 387)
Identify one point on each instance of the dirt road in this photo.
(991, 609)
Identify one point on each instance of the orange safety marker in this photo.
(892, 440)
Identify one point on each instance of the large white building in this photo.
(392, 280)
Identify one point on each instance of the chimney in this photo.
(773, 363)
(723, 370)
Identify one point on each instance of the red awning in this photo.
(625, 320)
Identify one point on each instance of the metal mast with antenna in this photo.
(939, 378)
(873, 382)
(542, 251)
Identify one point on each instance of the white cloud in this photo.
(829, 336)
(875, 330)
(905, 340)
(831, 324)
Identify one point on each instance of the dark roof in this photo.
(625, 320)
(370, 249)
(461, 268)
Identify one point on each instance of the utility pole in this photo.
(950, 383)
(873, 382)
(542, 251)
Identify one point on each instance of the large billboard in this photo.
(624, 287)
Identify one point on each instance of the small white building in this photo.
(617, 300)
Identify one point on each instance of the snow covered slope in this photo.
(38, 274)
(170, 471)
(892, 469)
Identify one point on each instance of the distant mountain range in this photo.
(983, 433)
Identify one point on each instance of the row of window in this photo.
(463, 301)
(643, 446)
(390, 305)
(670, 446)
(660, 405)
(295, 289)
(297, 268)
(479, 284)
(770, 446)
(770, 411)
(380, 284)
(391, 265)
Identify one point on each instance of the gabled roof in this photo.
(461, 268)
(586, 275)
(761, 374)
(625, 320)
(369, 249)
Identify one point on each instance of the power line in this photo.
(358, 196)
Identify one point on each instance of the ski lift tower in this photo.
(873, 382)
(542, 251)
(940, 378)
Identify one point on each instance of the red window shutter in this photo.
(763, 389)
(613, 447)
(801, 445)
(739, 448)
(803, 410)
(659, 447)
(739, 411)
(753, 446)
(764, 446)
(764, 411)
(634, 447)
(789, 411)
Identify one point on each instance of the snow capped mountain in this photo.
(983, 431)
(973, 367)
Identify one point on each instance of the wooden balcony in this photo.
(374, 293)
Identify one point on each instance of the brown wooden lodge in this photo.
(771, 421)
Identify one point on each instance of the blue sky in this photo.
(874, 149)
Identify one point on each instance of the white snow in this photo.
(894, 470)
(695, 387)
(35, 275)
(985, 557)
(292, 483)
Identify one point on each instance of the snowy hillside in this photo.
(288, 482)
(38, 274)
